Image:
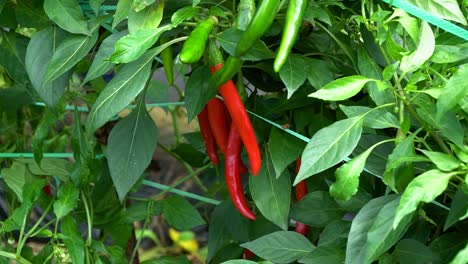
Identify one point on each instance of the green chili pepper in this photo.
(260, 23)
(245, 12)
(168, 61)
(294, 16)
(194, 46)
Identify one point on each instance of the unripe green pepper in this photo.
(195, 45)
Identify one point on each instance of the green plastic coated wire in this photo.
(430, 18)
(180, 192)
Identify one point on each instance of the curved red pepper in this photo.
(301, 191)
(205, 130)
(248, 254)
(232, 173)
(241, 120)
(219, 122)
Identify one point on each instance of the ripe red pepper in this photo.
(248, 254)
(219, 121)
(205, 130)
(241, 120)
(47, 190)
(301, 191)
(232, 173)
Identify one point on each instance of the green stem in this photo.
(145, 224)
(39, 221)
(13, 256)
(22, 239)
(187, 166)
(175, 124)
(88, 219)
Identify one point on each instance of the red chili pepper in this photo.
(248, 254)
(241, 120)
(232, 173)
(47, 190)
(219, 122)
(301, 191)
(205, 130)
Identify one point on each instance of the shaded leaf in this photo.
(324, 254)
(131, 145)
(455, 89)
(229, 39)
(181, 214)
(317, 209)
(72, 239)
(281, 157)
(272, 195)
(292, 73)
(280, 247)
(377, 119)
(198, 92)
(413, 251)
(121, 12)
(318, 73)
(458, 209)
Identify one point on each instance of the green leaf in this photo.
(335, 233)
(413, 251)
(461, 256)
(449, 53)
(447, 9)
(281, 157)
(318, 73)
(368, 68)
(229, 39)
(448, 124)
(377, 119)
(458, 209)
(39, 54)
(95, 4)
(324, 254)
(51, 167)
(317, 209)
(347, 177)
(372, 232)
(101, 64)
(16, 178)
(67, 199)
(423, 52)
(185, 13)
(121, 12)
(443, 161)
(272, 195)
(148, 18)
(424, 188)
(68, 54)
(398, 172)
(198, 92)
(41, 132)
(120, 91)
(239, 261)
(67, 14)
(181, 214)
(292, 73)
(168, 260)
(15, 221)
(72, 239)
(447, 246)
(12, 55)
(455, 89)
(329, 146)
(139, 5)
(130, 148)
(341, 89)
(280, 247)
(132, 46)
(30, 14)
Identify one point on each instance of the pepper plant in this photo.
(330, 131)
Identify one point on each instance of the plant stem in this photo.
(13, 256)
(187, 166)
(145, 224)
(88, 219)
